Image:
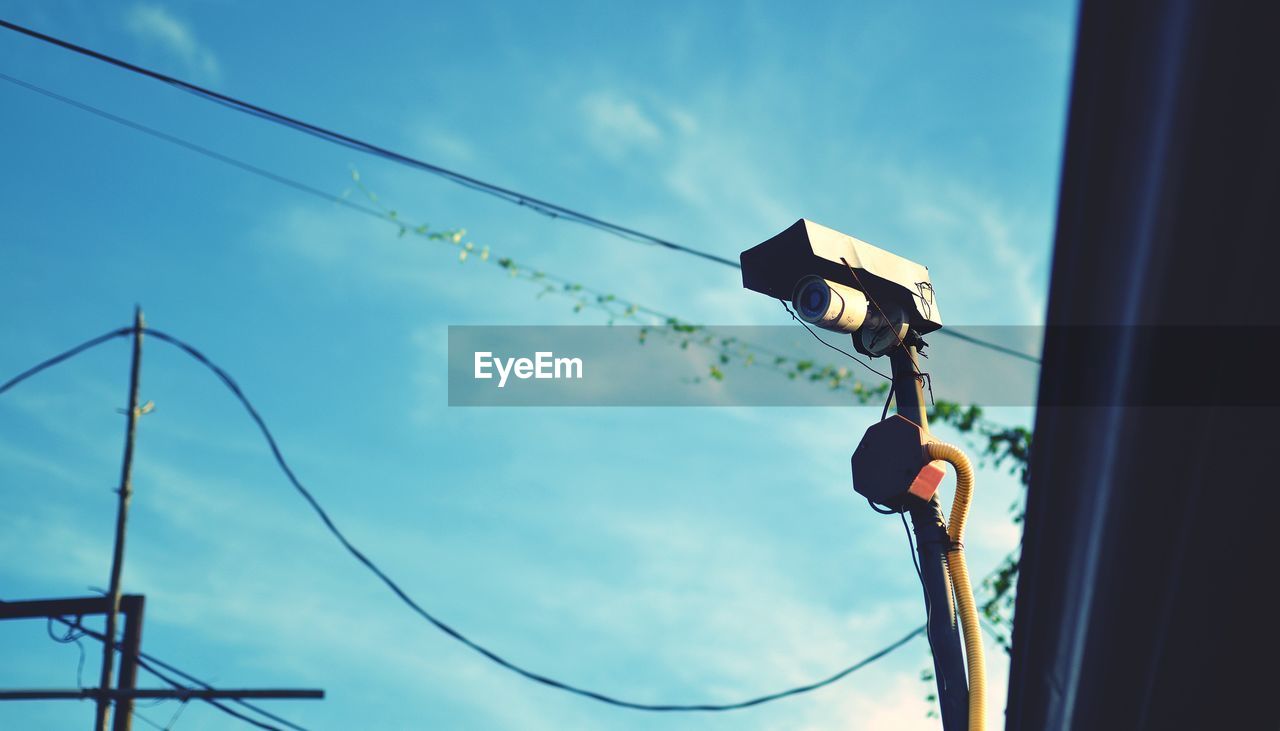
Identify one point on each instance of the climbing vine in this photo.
(725, 349)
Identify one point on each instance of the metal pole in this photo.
(132, 606)
(122, 514)
(932, 543)
(908, 392)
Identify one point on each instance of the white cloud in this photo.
(442, 144)
(616, 125)
(157, 26)
(988, 242)
(724, 179)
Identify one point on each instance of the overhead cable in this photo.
(404, 596)
(533, 203)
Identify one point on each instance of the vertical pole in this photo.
(932, 544)
(132, 605)
(122, 514)
(908, 392)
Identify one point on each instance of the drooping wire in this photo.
(235, 389)
(492, 656)
(172, 719)
(145, 720)
(842, 351)
(537, 205)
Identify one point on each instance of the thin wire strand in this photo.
(134, 712)
(71, 635)
(846, 353)
(537, 205)
(176, 715)
(172, 719)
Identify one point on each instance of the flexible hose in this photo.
(966, 607)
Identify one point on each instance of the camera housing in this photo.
(790, 265)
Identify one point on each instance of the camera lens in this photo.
(813, 299)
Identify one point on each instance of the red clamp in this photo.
(926, 483)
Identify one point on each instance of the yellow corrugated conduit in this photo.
(966, 607)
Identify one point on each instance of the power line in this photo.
(368, 563)
(215, 703)
(196, 148)
(537, 205)
(145, 659)
(404, 597)
(365, 209)
(962, 335)
(55, 360)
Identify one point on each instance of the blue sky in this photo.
(660, 554)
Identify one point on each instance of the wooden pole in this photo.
(122, 514)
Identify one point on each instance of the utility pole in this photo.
(131, 606)
(886, 303)
(113, 604)
(122, 516)
(932, 544)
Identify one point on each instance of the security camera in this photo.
(886, 303)
(829, 305)
(845, 285)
